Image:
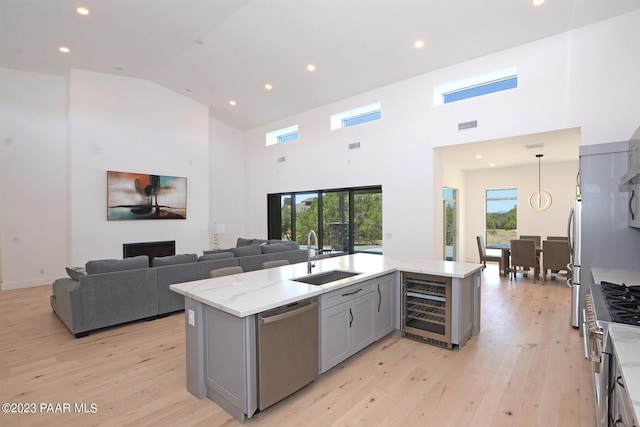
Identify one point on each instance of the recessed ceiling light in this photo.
(268, 86)
(537, 2)
(418, 44)
(478, 156)
(64, 49)
(492, 165)
(311, 67)
(82, 10)
(232, 103)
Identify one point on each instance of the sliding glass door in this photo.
(345, 220)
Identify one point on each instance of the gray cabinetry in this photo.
(633, 214)
(630, 182)
(346, 323)
(385, 299)
(621, 412)
(221, 358)
(355, 317)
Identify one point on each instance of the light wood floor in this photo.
(524, 369)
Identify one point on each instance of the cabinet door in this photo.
(334, 343)
(361, 322)
(384, 307)
(633, 214)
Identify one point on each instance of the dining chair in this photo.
(565, 238)
(555, 257)
(226, 271)
(484, 257)
(523, 254)
(538, 239)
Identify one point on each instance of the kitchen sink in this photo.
(325, 277)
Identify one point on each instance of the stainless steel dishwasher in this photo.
(288, 344)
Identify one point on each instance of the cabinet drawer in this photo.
(349, 293)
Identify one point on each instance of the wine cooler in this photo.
(426, 309)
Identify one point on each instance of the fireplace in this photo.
(151, 249)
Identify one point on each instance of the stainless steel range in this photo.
(610, 301)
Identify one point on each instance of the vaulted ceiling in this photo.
(217, 51)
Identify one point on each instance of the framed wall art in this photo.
(132, 196)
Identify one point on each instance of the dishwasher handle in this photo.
(295, 312)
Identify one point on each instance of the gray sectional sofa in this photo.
(111, 292)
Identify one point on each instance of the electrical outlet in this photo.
(192, 318)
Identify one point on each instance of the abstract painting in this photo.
(142, 196)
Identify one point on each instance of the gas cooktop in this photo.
(623, 302)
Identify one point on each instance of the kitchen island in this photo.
(222, 316)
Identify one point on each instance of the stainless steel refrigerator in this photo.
(575, 245)
(606, 241)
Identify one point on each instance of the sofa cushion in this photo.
(279, 247)
(214, 251)
(246, 250)
(174, 259)
(291, 244)
(111, 265)
(218, 255)
(246, 242)
(76, 272)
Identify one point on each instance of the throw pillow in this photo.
(76, 272)
(243, 242)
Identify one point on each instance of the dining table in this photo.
(506, 255)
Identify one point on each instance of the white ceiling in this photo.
(555, 146)
(217, 50)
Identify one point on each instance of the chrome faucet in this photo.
(315, 239)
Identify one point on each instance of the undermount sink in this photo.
(325, 277)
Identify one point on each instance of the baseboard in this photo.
(7, 286)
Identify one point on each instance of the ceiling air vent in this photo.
(282, 159)
(354, 145)
(536, 145)
(468, 125)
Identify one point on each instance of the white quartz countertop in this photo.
(628, 277)
(626, 340)
(256, 291)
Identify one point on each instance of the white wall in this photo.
(60, 136)
(227, 182)
(566, 81)
(559, 179)
(33, 207)
(131, 125)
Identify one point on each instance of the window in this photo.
(479, 90)
(501, 215)
(449, 196)
(476, 86)
(345, 220)
(282, 135)
(356, 116)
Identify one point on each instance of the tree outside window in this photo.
(501, 215)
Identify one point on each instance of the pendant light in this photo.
(539, 200)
